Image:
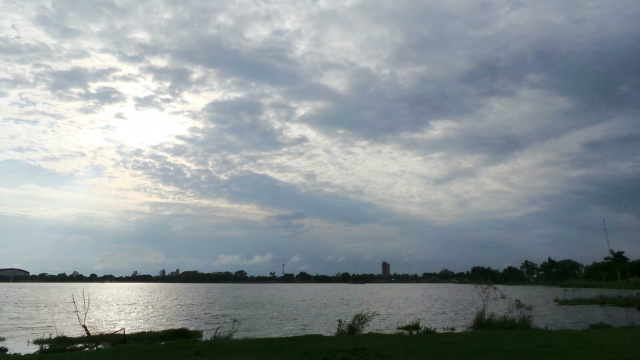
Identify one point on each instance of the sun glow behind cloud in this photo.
(145, 128)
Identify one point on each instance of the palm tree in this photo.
(617, 258)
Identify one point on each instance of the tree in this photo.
(446, 274)
(481, 274)
(303, 277)
(530, 269)
(240, 275)
(569, 269)
(344, 277)
(617, 258)
(548, 269)
(562, 270)
(512, 274)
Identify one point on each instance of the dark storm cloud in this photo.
(257, 189)
(147, 102)
(597, 77)
(178, 79)
(268, 192)
(268, 65)
(20, 50)
(377, 110)
(76, 78)
(104, 95)
(238, 125)
(67, 19)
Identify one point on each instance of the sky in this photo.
(328, 136)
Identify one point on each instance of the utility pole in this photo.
(282, 269)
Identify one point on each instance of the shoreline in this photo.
(607, 343)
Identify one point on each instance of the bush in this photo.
(414, 327)
(357, 324)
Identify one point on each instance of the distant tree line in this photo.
(616, 267)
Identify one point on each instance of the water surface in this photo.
(33, 310)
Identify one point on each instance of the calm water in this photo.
(29, 311)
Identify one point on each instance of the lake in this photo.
(34, 310)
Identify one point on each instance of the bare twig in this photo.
(85, 307)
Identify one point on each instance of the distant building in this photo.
(175, 273)
(74, 274)
(386, 269)
(11, 272)
(163, 272)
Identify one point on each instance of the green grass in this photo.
(622, 301)
(613, 343)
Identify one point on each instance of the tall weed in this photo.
(357, 324)
(220, 334)
(517, 317)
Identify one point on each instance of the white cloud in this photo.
(223, 260)
(240, 259)
(117, 262)
(258, 259)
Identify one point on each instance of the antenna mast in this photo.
(606, 235)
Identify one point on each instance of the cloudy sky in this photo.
(325, 135)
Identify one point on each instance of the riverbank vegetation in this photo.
(356, 326)
(3, 349)
(622, 301)
(602, 343)
(517, 316)
(63, 344)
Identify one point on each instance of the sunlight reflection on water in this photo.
(29, 311)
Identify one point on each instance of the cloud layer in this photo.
(218, 136)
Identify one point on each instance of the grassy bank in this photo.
(591, 284)
(622, 301)
(615, 343)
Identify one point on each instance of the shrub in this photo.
(357, 324)
(414, 327)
